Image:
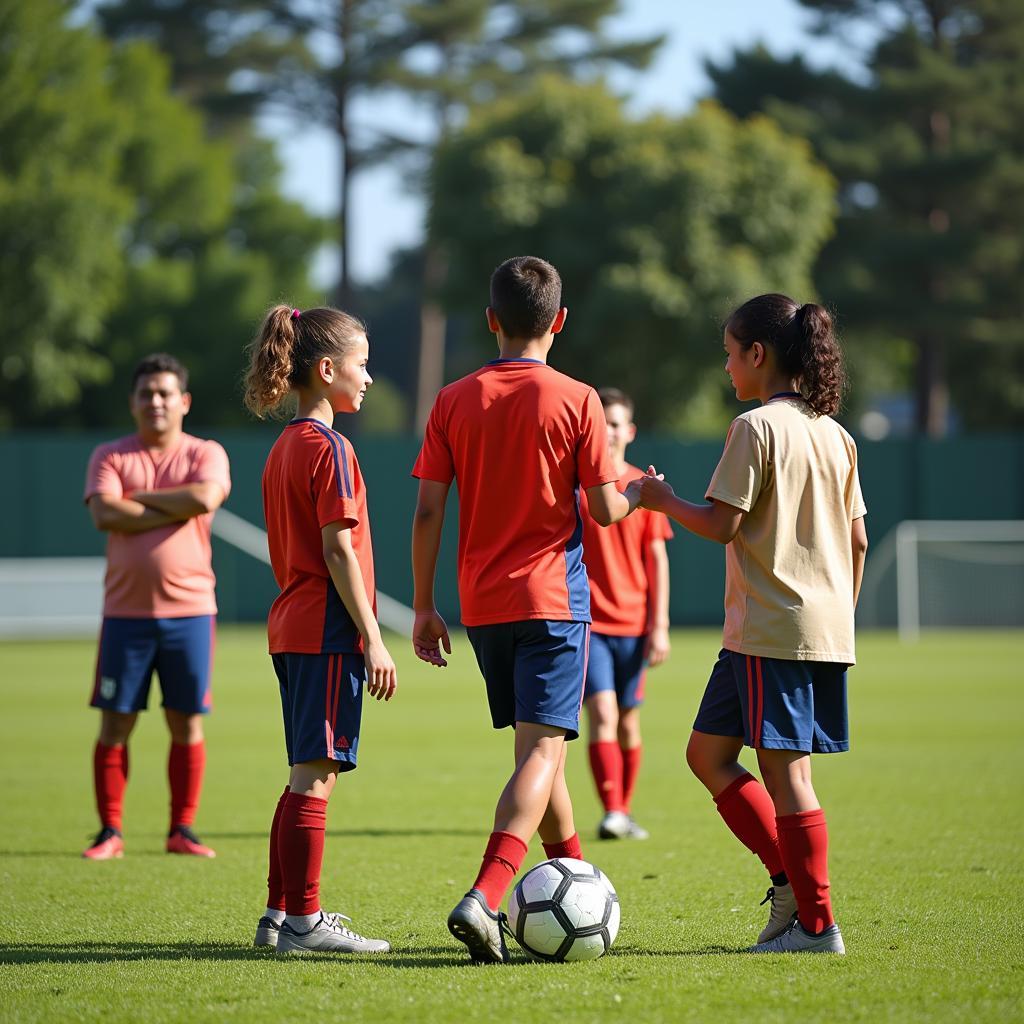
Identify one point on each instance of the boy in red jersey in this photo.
(324, 638)
(153, 493)
(627, 566)
(520, 440)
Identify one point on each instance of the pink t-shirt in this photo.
(164, 573)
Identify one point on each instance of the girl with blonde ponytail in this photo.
(786, 501)
(324, 638)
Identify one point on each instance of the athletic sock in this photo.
(747, 809)
(303, 923)
(606, 767)
(803, 838)
(110, 775)
(186, 763)
(631, 757)
(300, 847)
(503, 857)
(275, 881)
(275, 914)
(565, 848)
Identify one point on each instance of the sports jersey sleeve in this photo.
(102, 476)
(593, 463)
(211, 466)
(333, 482)
(741, 470)
(434, 461)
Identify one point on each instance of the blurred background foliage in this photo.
(140, 209)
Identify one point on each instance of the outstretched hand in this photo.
(650, 491)
(429, 635)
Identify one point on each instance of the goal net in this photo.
(934, 574)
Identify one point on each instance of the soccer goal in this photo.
(934, 574)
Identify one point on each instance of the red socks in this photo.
(606, 766)
(275, 880)
(185, 765)
(503, 857)
(566, 848)
(747, 809)
(110, 775)
(803, 838)
(630, 769)
(300, 849)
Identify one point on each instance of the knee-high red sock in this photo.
(803, 838)
(606, 767)
(110, 776)
(300, 846)
(503, 857)
(275, 881)
(747, 809)
(631, 757)
(186, 763)
(566, 848)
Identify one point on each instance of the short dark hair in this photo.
(160, 362)
(613, 396)
(526, 294)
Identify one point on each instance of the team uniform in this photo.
(311, 479)
(521, 440)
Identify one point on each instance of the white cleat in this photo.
(267, 933)
(636, 831)
(328, 935)
(796, 939)
(782, 912)
(480, 928)
(614, 825)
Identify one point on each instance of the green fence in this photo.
(964, 478)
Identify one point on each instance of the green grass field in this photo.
(924, 813)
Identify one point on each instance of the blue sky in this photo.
(387, 216)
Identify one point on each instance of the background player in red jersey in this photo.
(322, 628)
(627, 566)
(520, 440)
(153, 493)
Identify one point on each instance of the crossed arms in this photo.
(146, 510)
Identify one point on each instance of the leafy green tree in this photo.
(658, 227)
(928, 150)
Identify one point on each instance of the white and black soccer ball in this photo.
(564, 909)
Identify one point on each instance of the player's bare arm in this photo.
(429, 631)
(656, 564)
(342, 564)
(184, 502)
(716, 521)
(608, 505)
(859, 545)
(124, 515)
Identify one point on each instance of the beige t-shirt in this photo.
(789, 569)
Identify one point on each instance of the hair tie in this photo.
(296, 314)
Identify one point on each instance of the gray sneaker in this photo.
(614, 825)
(781, 913)
(796, 939)
(636, 831)
(267, 933)
(480, 928)
(328, 935)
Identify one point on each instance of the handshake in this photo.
(649, 491)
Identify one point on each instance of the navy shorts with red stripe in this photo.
(776, 704)
(322, 702)
(534, 670)
(617, 663)
(181, 651)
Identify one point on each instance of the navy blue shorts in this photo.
(776, 704)
(534, 670)
(181, 651)
(617, 663)
(322, 702)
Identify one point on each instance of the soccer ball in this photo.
(564, 909)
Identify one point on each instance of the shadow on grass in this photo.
(371, 833)
(65, 854)
(695, 951)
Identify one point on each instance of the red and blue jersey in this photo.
(312, 479)
(519, 439)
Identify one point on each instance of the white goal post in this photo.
(946, 574)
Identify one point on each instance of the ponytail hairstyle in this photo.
(804, 342)
(288, 346)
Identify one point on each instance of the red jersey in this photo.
(615, 557)
(311, 479)
(520, 439)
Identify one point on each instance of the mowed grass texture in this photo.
(924, 814)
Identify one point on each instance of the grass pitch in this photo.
(926, 863)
